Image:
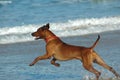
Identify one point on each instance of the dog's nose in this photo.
(32, 34)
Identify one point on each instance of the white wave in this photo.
(70, 28)
(86, 26)
(3, 2)
(18, 29)
(71, 1)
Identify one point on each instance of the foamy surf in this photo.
(4, 2)
(61, 29)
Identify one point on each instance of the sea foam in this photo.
(61, 29)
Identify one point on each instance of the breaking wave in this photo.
(62, 29)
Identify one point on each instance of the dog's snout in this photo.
(32, 34)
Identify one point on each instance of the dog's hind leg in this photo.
(103, 64)
(87, 64)
(90, 68)
(87, 60)
(53, 62)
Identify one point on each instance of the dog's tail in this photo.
(95, 42)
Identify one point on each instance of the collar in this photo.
(50, 38)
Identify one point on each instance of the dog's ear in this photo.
(47, 26)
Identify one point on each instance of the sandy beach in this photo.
(15, 58)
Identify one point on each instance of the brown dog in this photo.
(61, 51)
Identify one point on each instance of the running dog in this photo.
(59, 50)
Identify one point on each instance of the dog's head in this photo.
(41, 32)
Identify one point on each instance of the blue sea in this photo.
(77, 22)
(18, 18)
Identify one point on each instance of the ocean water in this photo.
(15, 59)
(19, 18)
(69, 19)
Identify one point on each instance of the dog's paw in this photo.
(31, 64)
(57, 65)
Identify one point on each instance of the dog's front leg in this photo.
(53, 62)
(46, 56)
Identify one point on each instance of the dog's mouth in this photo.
(36, 38)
